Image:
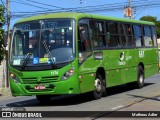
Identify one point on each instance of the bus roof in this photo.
(76, 15)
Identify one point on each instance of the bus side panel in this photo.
(151, 62)
(148, 57)
(87, 73)
(115, 77)
(115, 68)
(132, 63)
(151, 70)
(131, 74)
(86, 82)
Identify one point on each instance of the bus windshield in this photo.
(42, 42)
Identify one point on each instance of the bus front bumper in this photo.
(56, 88)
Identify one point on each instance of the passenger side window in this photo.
(126, 35)
(122, 34)
(147, 36)
(154, 35)
(129, 35)
(97, 34)
(112, 34)
(138, 35)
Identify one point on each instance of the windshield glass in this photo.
(42, 42)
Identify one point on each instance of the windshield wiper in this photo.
(25, 61)
(49, 53)
(27, 58)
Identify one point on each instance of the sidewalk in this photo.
(4, 91)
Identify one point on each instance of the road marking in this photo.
(118, 107)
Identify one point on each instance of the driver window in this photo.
(83, 39)
(18, 43)
(84, 46)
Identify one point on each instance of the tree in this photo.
(2, 20)
(153, 19)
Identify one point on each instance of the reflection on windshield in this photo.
(29, 38)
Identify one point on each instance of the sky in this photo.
(24, 8)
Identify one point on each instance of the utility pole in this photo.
(130, 6)
(8, 39)
(8, 20)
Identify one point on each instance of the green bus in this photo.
(74, 53)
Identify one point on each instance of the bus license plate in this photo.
(40, 87)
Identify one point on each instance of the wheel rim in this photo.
(98, 85)
(141, 78)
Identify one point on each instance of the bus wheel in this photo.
(140, 81)
(44, 99)
(100, 89)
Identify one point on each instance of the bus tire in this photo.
(43, 99)
(100, 89)
(140, 78)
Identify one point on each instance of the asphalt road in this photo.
(121, 98)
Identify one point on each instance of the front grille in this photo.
(29, 80)
(48, 79)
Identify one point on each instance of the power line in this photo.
(43, 4)
(14, 7)
(143, 9)
(106, 7)
(24, 3)
(89, 7)
(101, 5)
(75, 3)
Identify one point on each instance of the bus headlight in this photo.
(14, 77)
(68, 74)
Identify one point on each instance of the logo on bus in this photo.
(121, 58)
(141, 54)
